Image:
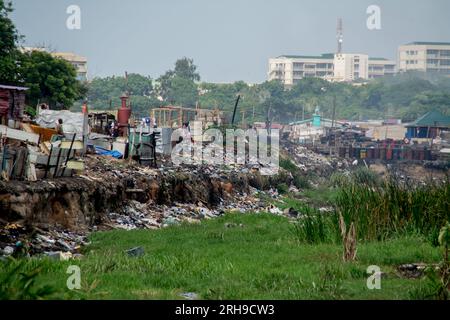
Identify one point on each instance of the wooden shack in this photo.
(12, 103)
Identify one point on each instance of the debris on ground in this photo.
(135, 252)
(412, 270)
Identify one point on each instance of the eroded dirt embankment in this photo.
(82, 201)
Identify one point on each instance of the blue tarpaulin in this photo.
(104, 152)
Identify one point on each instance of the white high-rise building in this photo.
(350, 67)
(289, 69)
(425, 56)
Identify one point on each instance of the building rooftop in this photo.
(323, 56)
(12, 88)
(432, 119)
(379, 59)
(323, 121)
(428, 43)
(70, 56)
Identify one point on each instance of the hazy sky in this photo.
(229, 40)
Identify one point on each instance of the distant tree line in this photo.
(406, 96)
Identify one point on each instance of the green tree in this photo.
(182, 92)
(104, 93)
(9, 54)
(172, 83)
(186, 69)
(50, 80)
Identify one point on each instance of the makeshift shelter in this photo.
(12, 103)
(428, 126)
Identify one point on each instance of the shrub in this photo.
(282, 188)
(288, 165)
(313, 227)
(301, 182)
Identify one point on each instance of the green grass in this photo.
(238, 256)
(322, 196)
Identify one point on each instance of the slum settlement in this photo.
(65, 174)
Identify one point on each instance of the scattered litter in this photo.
(136, 252)
(8, 250)
(60, 256)
(189, 295)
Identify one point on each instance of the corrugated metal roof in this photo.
(432, 119)
(2, 86)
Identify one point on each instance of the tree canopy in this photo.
(50, 80)
(178, 86)
(9, 55)
(104, 93)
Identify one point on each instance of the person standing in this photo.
(59, 127)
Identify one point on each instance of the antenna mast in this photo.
(339, 35)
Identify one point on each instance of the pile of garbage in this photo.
(137, 215)
(18, 240)
(312, 162)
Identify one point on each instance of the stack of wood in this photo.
(29, 154)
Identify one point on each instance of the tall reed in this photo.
(392, 207)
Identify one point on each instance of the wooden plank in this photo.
(75, 165)
(45, 133)
(32, 172)
(40, 158)
(19, 134)
(77, 145)
(44, 148)
(26, 127)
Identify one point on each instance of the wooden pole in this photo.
(48, 161)
(57, 163)
(68, 154)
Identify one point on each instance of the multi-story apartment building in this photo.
(78, 62)
(350, 67)
(425, 56)
(381, 67)
(289, 69)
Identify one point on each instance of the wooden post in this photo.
(57, 163)
(48, 161)
(68, 154)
